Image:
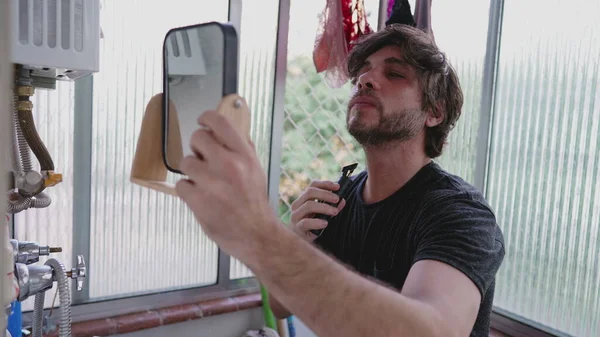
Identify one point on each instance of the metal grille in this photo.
(315, 141)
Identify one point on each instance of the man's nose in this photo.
(368, 80)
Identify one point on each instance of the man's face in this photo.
(385, 106)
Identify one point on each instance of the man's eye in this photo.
(392, 74)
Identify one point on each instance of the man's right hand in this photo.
(311, 203)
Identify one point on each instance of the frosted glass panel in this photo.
(544, 169)
(141, 241)
(258, 39)
(53, 226)
(467, 57)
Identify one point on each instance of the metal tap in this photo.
(79, 272)
(27, 252)
(33, 279)
(29, 183)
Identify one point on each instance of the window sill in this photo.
(511, 325)
(496, 333)
(163, 316)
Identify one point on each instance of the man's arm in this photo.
(277, 308)
(335, 301)
(453, 295)
(222, 187)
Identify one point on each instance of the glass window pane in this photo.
(544, 169)
(53, 112)
(148, 240)
(467, 57)
(258, 39)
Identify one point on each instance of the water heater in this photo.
(56, 39)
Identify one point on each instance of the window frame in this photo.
(516, 326)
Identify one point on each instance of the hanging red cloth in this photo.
(342, 23)
(355, 21)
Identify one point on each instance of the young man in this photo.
(415, 249)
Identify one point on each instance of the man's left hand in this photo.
(226, 187)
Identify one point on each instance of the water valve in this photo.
(79, 272)
(33, 279)
(27, 252)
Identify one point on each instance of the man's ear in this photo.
(435, 117)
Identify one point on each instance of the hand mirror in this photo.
(199, 71)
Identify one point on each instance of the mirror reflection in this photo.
(194, 81)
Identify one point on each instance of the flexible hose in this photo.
(20, 204)
(20, 142)
(42, 200)
(16, 156)
(17, 203)
(64, 294)
(38, 314)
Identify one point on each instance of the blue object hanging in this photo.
(15, 320)
(291, 328)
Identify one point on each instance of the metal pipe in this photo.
(382, 14)
(490, 72)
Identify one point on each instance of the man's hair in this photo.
(441, 92)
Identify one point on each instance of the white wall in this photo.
(226, 325)
(5, 110)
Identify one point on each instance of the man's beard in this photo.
(392, 128)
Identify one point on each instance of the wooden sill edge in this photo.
(162, 316)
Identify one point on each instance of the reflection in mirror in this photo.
(196, 78)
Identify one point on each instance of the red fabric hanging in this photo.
(355, 21)
(342, 23)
